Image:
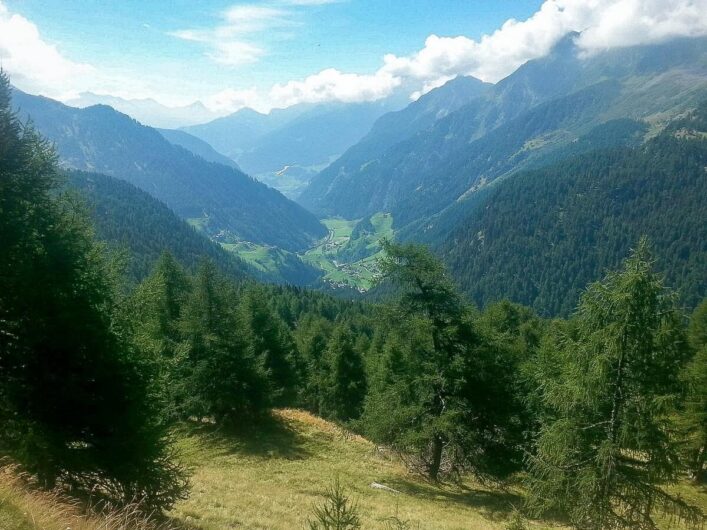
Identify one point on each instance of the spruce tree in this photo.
(217, 376)
(693, 418)
(610, 381)
(345, 379)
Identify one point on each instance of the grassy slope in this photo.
(271, 480)
(24, 508)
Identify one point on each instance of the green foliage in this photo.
(541, 236)
(337, 512)
(442, 394)
(344, 377)
(692, 421)
(74, 404)
(609, 382)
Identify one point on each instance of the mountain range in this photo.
(286, 147)
(544, 106)
(224, 202)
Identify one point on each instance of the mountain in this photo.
(541, 236)
(126, 217)
(544, 106)
(394, 127)
(238, 132)
(286, 147)
(148, 111)
(227, 204)
(197, 146)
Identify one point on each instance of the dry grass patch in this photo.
(24, 507)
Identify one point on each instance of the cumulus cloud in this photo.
(331, 84)
(603, 24)
(33, 62)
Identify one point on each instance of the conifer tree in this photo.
(610, 383)
(217, 376)
(345, 381)
(268, 341)
(74, 407)
(693, 419)
(444, 395)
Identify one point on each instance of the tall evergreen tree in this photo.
(217, 376)
(269, 342)
(74, 407)
(693, 419)
(609, 386)
(345, 380)
(444, 396)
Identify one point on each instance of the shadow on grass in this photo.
(495, 505)
(267, 437)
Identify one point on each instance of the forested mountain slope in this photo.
(542, 236)
(546, 104)
(225, 202)
(127, 218)
(397, 126)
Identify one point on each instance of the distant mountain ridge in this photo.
(197, 146)
(148, 111)
(543, 106)
(287, 146)
(227, 204)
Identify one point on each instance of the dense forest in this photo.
(596, 415)
(541, 236)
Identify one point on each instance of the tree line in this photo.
(599, 411)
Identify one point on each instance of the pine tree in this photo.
(217, 376)
(693, 419)
(610, 383)
(268, 341)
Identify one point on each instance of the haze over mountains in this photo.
(286, 147)
(433, 166)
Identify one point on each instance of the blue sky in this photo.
(350, 35)
(229, 53)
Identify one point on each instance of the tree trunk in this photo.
(437, 447)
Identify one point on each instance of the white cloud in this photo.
(228, 43)
(331, 84)
(31, 61)
(38, 66)
(603, 23)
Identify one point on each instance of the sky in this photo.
(275, 53)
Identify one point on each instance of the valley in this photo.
(346, 258)
(274, 266)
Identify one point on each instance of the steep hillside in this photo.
(197, 146)
(541, 236)
(545, 105)
(394, 127)
(128, 218)
(225, 203)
